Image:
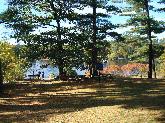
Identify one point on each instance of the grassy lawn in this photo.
(113, 101)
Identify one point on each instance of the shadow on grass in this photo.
(34, 102)
(144, 93)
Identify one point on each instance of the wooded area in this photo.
(80, 34)
(84, 43)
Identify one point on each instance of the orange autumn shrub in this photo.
(129, 68)
(111, 69)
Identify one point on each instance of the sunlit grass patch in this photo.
(118, 101)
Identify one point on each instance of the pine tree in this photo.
(96, 26)
(144, 24)
(163, 8)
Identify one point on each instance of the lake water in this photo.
(36, 67)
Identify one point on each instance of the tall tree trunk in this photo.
(154, 68)
(94, 49)
(1, 76)
(150, 40)
(60, 44)
(60, 69)
(60, 60)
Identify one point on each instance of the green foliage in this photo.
(12, 66)
(142, 21)
(64, 46)
(52, 75)
(161, 60)
(144, 25)
(133, 49)
(162, 64)
(85, 40)
(71, 72)
(163, 8)
(96, 26)
(58, 43)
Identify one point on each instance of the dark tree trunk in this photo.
(94, 49)
(60, 69)
(154, 68)
(1, 76)
(150, 61)
(60, 60)
(150, 40)
(62, 73)
(60, 44)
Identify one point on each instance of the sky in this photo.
(3, 6)
(5, 32)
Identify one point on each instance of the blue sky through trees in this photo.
(4, 33)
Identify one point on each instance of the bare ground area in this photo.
(111, 101)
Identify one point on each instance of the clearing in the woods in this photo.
(111, 101)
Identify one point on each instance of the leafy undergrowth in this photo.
(111, 101)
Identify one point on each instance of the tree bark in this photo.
(154, 68)
(1, 76)
(150, 40)
(94, 49)
(60, 62)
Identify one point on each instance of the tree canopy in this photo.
(76, 33)
(144, 25)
